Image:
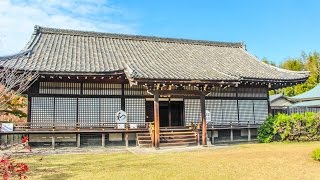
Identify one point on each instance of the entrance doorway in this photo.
(170, 112)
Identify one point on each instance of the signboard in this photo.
(121, 118)
(208, 116)
(7, 127)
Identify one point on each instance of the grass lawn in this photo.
(250, 161)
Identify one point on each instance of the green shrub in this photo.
(316, 154)
(294, 127)
(265, 131)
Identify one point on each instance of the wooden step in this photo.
(175, 130)
(145, 140)
(144, 137)
(143, 134)
(176, 133)
(178, 144)
(174, 127)
(176, 140)
(145, 145)
(178, 136)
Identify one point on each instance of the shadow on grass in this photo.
(56, 176)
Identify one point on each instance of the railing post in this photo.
(151, 129)
(126, 135)
(198, 134)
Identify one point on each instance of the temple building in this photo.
(172, 91)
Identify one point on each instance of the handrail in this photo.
(86, 125)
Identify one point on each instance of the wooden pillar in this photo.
(249, 133)
(269, 107)
(78, 140)
(231, 135)
(126, 137)
(156, 120)
(103, 139)
(29, 107)
(123, 101)
(53, 138)
(204, 121)
(212, 137)
(169, 108)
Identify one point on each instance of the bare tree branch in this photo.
(13, 81)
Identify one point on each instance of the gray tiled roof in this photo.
(68, 51)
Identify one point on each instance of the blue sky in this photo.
(273, 29)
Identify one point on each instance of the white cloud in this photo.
(18, 17)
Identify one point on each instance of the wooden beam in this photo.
(179, 92)
(156, 120)
(204, 121)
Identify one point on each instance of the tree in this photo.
(13, 82)
(265, 60)
(293, 64)
(311, 63)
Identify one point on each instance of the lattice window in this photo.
(89, 114)
(215, 107)
(260, 92)
(101, 89)
(313, 109)
(246, 111)
(66, 112)
(230, 111)
(192, 111)
(223, 92)
(108, 109)
(303, 109)
(136, 110)
(260, 110)
(138, 90)
(42, 110)
(59, 88)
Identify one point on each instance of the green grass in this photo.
(252, 161)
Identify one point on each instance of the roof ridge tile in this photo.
(40, 29)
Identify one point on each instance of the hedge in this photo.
(294, 127)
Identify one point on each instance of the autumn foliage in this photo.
(11, 169)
